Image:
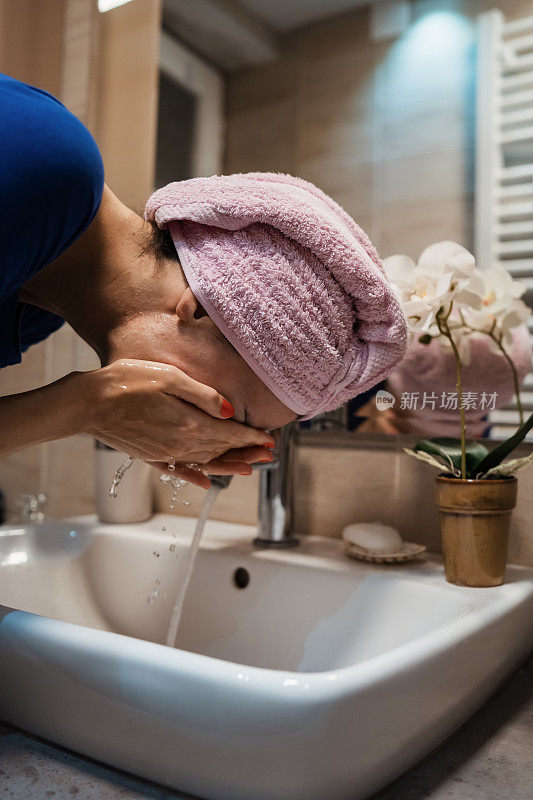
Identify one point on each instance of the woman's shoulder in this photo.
(40, 135)
(51, 180)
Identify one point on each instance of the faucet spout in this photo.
(222, 481)
(275, 494)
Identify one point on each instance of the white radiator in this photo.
(504, 165)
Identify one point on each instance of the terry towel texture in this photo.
(291, 281)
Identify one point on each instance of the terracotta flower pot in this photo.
(475, 518)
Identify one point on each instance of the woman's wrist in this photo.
(80, 401)
(73, 401)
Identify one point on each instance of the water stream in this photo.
(188, 565)
(119, 474)
(176, 483)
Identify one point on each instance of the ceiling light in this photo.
(107, 5)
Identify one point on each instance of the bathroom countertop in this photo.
(488, 758)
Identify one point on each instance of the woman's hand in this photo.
(234, 462)
(157, 413)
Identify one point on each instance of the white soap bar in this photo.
(373, 536)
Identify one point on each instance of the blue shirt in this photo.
(51, 184)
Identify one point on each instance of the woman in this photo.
(254, 297)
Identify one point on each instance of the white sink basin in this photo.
(322, 678)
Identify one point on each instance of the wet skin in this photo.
(188, 339)
(127, 303)
(197, 347)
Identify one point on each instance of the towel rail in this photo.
(519, 26)
(517, 99)
(504, 165)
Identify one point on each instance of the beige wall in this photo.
(126, 123)
(31, 41)
(104, 68)
(385, 128)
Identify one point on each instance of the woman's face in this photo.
(199, 349)
(208, 357)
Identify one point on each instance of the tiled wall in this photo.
(343, 479)
(386, 128)
(63, 469)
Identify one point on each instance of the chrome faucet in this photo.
(275, 493)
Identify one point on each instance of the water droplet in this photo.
(156, 554)
(119, 474)
(176, 485)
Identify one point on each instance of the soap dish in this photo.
(407, 552)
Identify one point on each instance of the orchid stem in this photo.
(515, 376)
(442, 323)
(509, 360)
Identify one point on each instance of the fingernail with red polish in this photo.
(227, 409)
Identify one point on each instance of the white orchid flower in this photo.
(447, 257)
(446, 296)
(517, 313)
(401, 272)
(446, 274)
(469, 292)
(501, 310)
(451, 259)
(499, 283)
(420, 315)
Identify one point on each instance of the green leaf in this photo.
(500, 452)
(450, 450)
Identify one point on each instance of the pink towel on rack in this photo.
(291, 281)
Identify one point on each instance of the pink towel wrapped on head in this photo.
(291, 281)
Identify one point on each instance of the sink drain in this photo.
(241, 578)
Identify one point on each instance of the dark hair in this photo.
(159, 243)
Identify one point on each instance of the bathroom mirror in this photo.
(391, 109)
(393, 112)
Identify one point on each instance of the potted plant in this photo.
(446, 297)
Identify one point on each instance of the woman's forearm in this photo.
(42, 415)
(149, 410)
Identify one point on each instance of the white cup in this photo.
(134, 500)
